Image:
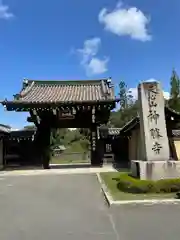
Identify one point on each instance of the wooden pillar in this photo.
(46, 149)
(4, 152)
(93, 145)
(95, 159)
(1, 152)
(100, 151)
(43, 144)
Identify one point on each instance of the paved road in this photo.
(53, 207)
(71, 207)
(155, 222)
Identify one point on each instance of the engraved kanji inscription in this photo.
(157, 147)
(155, 133)
(152, 97)
(153, 116)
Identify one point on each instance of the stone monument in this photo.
(155, 146)
(155, 160)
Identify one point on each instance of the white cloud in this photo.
(4, 11)
(97, 66)
(126, 21)
(134, 93)
(166, 95)
(89, 60)
(90, 49)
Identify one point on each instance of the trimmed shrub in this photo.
(126, 183)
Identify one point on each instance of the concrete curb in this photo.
(104, 190)
(112, 202)
(51, 172)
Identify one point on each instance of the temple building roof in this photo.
(134, 123)
(58, 92)
(105, 131)
(4, 128)
(176, 133)
(23, 134)
(8, 133)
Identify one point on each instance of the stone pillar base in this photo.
(155, 170)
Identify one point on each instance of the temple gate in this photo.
(64, 104)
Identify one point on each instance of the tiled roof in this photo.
(176, 133)
(130, 125)
(65, 92)
(4, 128)
(23, 133)
(172, 111)
(105, 131)
(114, 131)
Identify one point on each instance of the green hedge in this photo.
(126, 183)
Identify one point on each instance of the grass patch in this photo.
(112, 179)
(72, 155)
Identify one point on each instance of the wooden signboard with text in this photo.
(66, 115)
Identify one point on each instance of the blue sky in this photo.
(132, 40)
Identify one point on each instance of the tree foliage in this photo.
(128, 107)
(69, 138)
(123, 95)
(174, 101)
(30, 127)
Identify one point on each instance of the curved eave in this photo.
(172, 112)
(4, 134)
(21, 138)
(132, 124)
(19, 105)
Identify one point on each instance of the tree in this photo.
(123, 95)
(128, 107)
(174, 101)
(85, 132)
(30, 127)
(58, 137)
(74, 141)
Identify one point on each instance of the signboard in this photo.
(66, 115)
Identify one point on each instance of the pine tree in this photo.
(128, 107)
(123, 95)
(174, 101)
